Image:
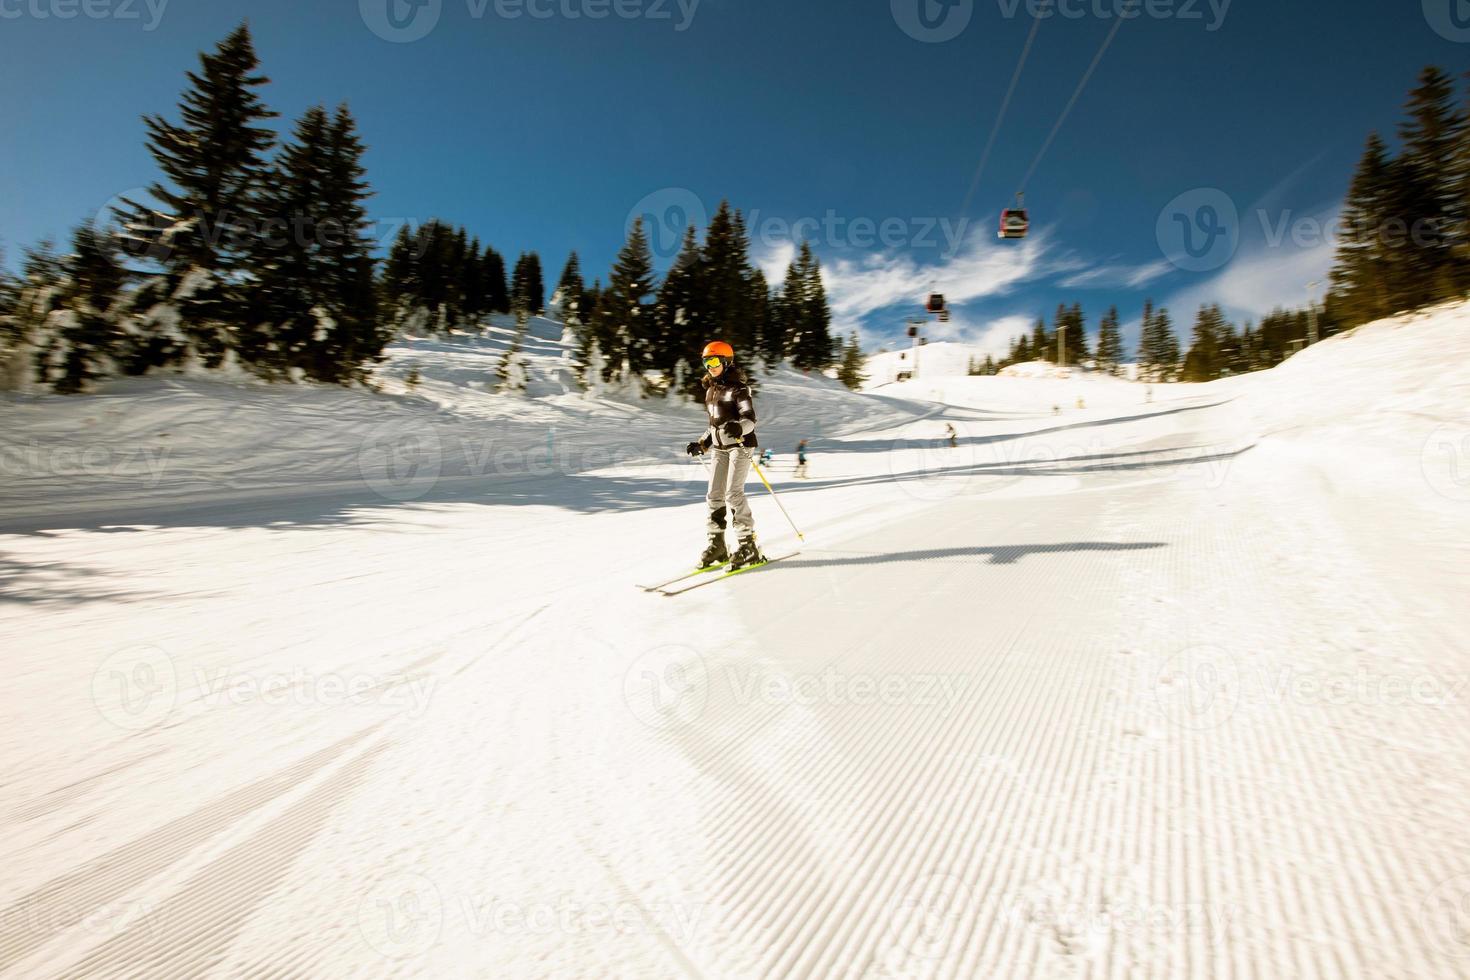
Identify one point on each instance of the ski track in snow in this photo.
(1111, 694)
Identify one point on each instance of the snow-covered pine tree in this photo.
(512, 367)
(569, 291)
(594, 334)
(26, 330)
(85, 342)
(678, 383)
(349, 269)
(315, 303)
(594, 374)
(201, 240)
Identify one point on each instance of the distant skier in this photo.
(952, 436)
(800, 472)
(766, 458)
(731, 437)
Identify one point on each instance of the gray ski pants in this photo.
(726, 499)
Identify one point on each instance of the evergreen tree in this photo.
(347, 292)
(1110, 343)
(9, 290)
(590, 361)
(399, 272)
(811, 346)
(1206, 359)
(315, 309)
(476, 305)
(786, 310)
(765, 346)
(26, 331)
(492, 274)
(677, 331)
(569, 291)
(1433, 192)
(1168, 344)
(626, 320)
(527, 289)
(850, 371)
(1043, 345)
(1158, 348)
(725, 283)
(86, 341)
(205, 234)
(1079, 350)
(512, 373)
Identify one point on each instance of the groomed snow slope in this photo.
(1147, 689)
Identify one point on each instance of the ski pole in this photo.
(756, 466)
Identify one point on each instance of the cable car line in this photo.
(1087, 77)
(1000, 118)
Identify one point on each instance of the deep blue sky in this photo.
(544, 133)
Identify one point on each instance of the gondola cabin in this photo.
(1014, 223)
(936, 303)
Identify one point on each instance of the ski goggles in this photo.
(713, 362)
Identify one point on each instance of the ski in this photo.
(720, 578)
(686, 576)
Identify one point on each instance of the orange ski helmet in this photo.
(718, 349)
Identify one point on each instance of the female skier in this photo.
(731, 437)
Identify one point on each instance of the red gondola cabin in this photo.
(1014, 223)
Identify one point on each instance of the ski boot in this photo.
(715, 554)
(747, 554)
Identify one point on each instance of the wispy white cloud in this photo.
(1118, 276)
(860, 289)
(1271, 272)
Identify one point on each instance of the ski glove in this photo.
(695, 449)
(733, 430)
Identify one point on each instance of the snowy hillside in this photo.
(945, 359)
(141, 443)
(315, 682)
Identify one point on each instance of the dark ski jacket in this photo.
(728, 399)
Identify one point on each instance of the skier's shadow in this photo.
(998, 555)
